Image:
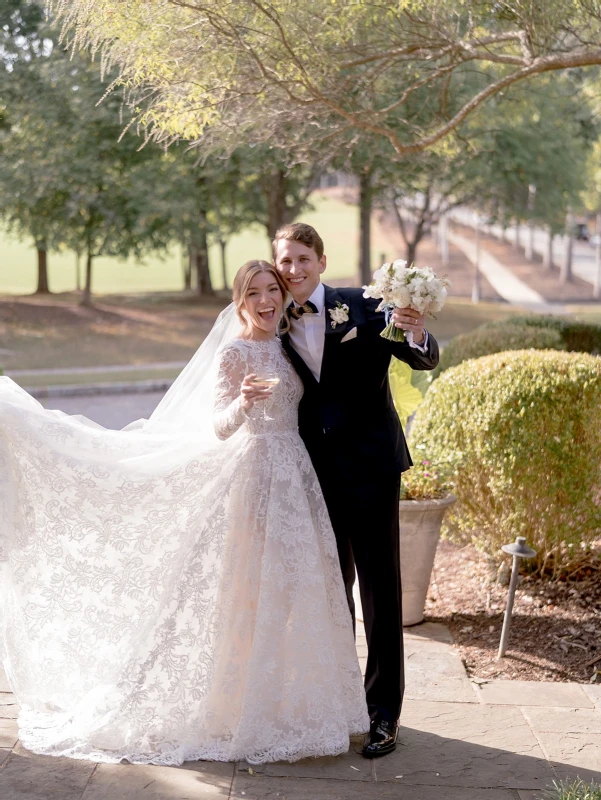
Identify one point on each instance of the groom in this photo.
(352, 432)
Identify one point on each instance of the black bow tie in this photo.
(307, 308)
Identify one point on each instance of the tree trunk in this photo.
(42, 270)
(277, 211)
(410, 251)
(187, 261)
(597, 283)
(418, 230)
(530, 242)
(86, 298)
(204, 286)
(565, 275)
(517, 242)
(443, 236)
(222, 246)
(548, 254)
(365, 208)
(77, 271)
(476, 282)
(411, 244)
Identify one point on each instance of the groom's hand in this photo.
(410, 320)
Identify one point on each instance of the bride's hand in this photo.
(251, 393)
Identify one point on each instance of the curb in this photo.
(91, 389)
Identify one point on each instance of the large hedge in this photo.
(577, 337)
(488, 339)
(523, 429)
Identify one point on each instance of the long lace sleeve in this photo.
(229, 414)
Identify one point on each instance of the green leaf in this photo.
(405, 394)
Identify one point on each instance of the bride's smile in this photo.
(263, 305)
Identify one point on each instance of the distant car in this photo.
(581, 231)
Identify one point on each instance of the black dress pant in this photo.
(365, 517)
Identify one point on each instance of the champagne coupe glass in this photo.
(265, 382)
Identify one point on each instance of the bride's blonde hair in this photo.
(242, 281)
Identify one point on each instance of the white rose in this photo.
(372, 291)
(402, 297)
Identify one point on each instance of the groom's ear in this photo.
(322, 264)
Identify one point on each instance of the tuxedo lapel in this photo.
(298, 363)
(334, 332)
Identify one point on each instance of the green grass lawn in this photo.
(337, 222)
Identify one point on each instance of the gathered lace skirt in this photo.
(215, 627)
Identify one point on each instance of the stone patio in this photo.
(460, 740)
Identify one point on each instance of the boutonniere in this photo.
(339, 314)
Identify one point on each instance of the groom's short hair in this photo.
(299, 232)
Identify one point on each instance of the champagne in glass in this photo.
(265, 382)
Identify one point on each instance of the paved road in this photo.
(112, 411)
(584, 262)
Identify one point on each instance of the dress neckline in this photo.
(259, 343)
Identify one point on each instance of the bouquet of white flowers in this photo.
(400, 286)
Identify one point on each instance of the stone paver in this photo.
(574, 754)
(9, 709)
(428, 634)
(349, 767)
(4, 687)
(500, 741)
(8, 732)
(7, 698)
(571, 738)
(261, 788)
(563, 720)
(456, 744)
(533, 693)
(594, 693)
(25, 776)
(434, 675)
(139, 782)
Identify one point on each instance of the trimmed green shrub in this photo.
(523, 431)
(578, 337)
(489, 339)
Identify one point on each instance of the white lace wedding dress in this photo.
(162, 609)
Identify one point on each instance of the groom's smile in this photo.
(300, 268)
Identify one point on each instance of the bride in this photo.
(171, 591)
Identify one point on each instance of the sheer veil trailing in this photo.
(109, 548)
(188, 405)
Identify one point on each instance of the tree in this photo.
(94, 195)
(302, 75)
(538, 140)
(30, 205)
(525, 160)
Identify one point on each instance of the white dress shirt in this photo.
(308, 333)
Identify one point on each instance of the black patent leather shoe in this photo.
(381, 739)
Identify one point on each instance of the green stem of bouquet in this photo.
(392, 333)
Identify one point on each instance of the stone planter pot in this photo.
(420, 522)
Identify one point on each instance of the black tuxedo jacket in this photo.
(347, 419)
